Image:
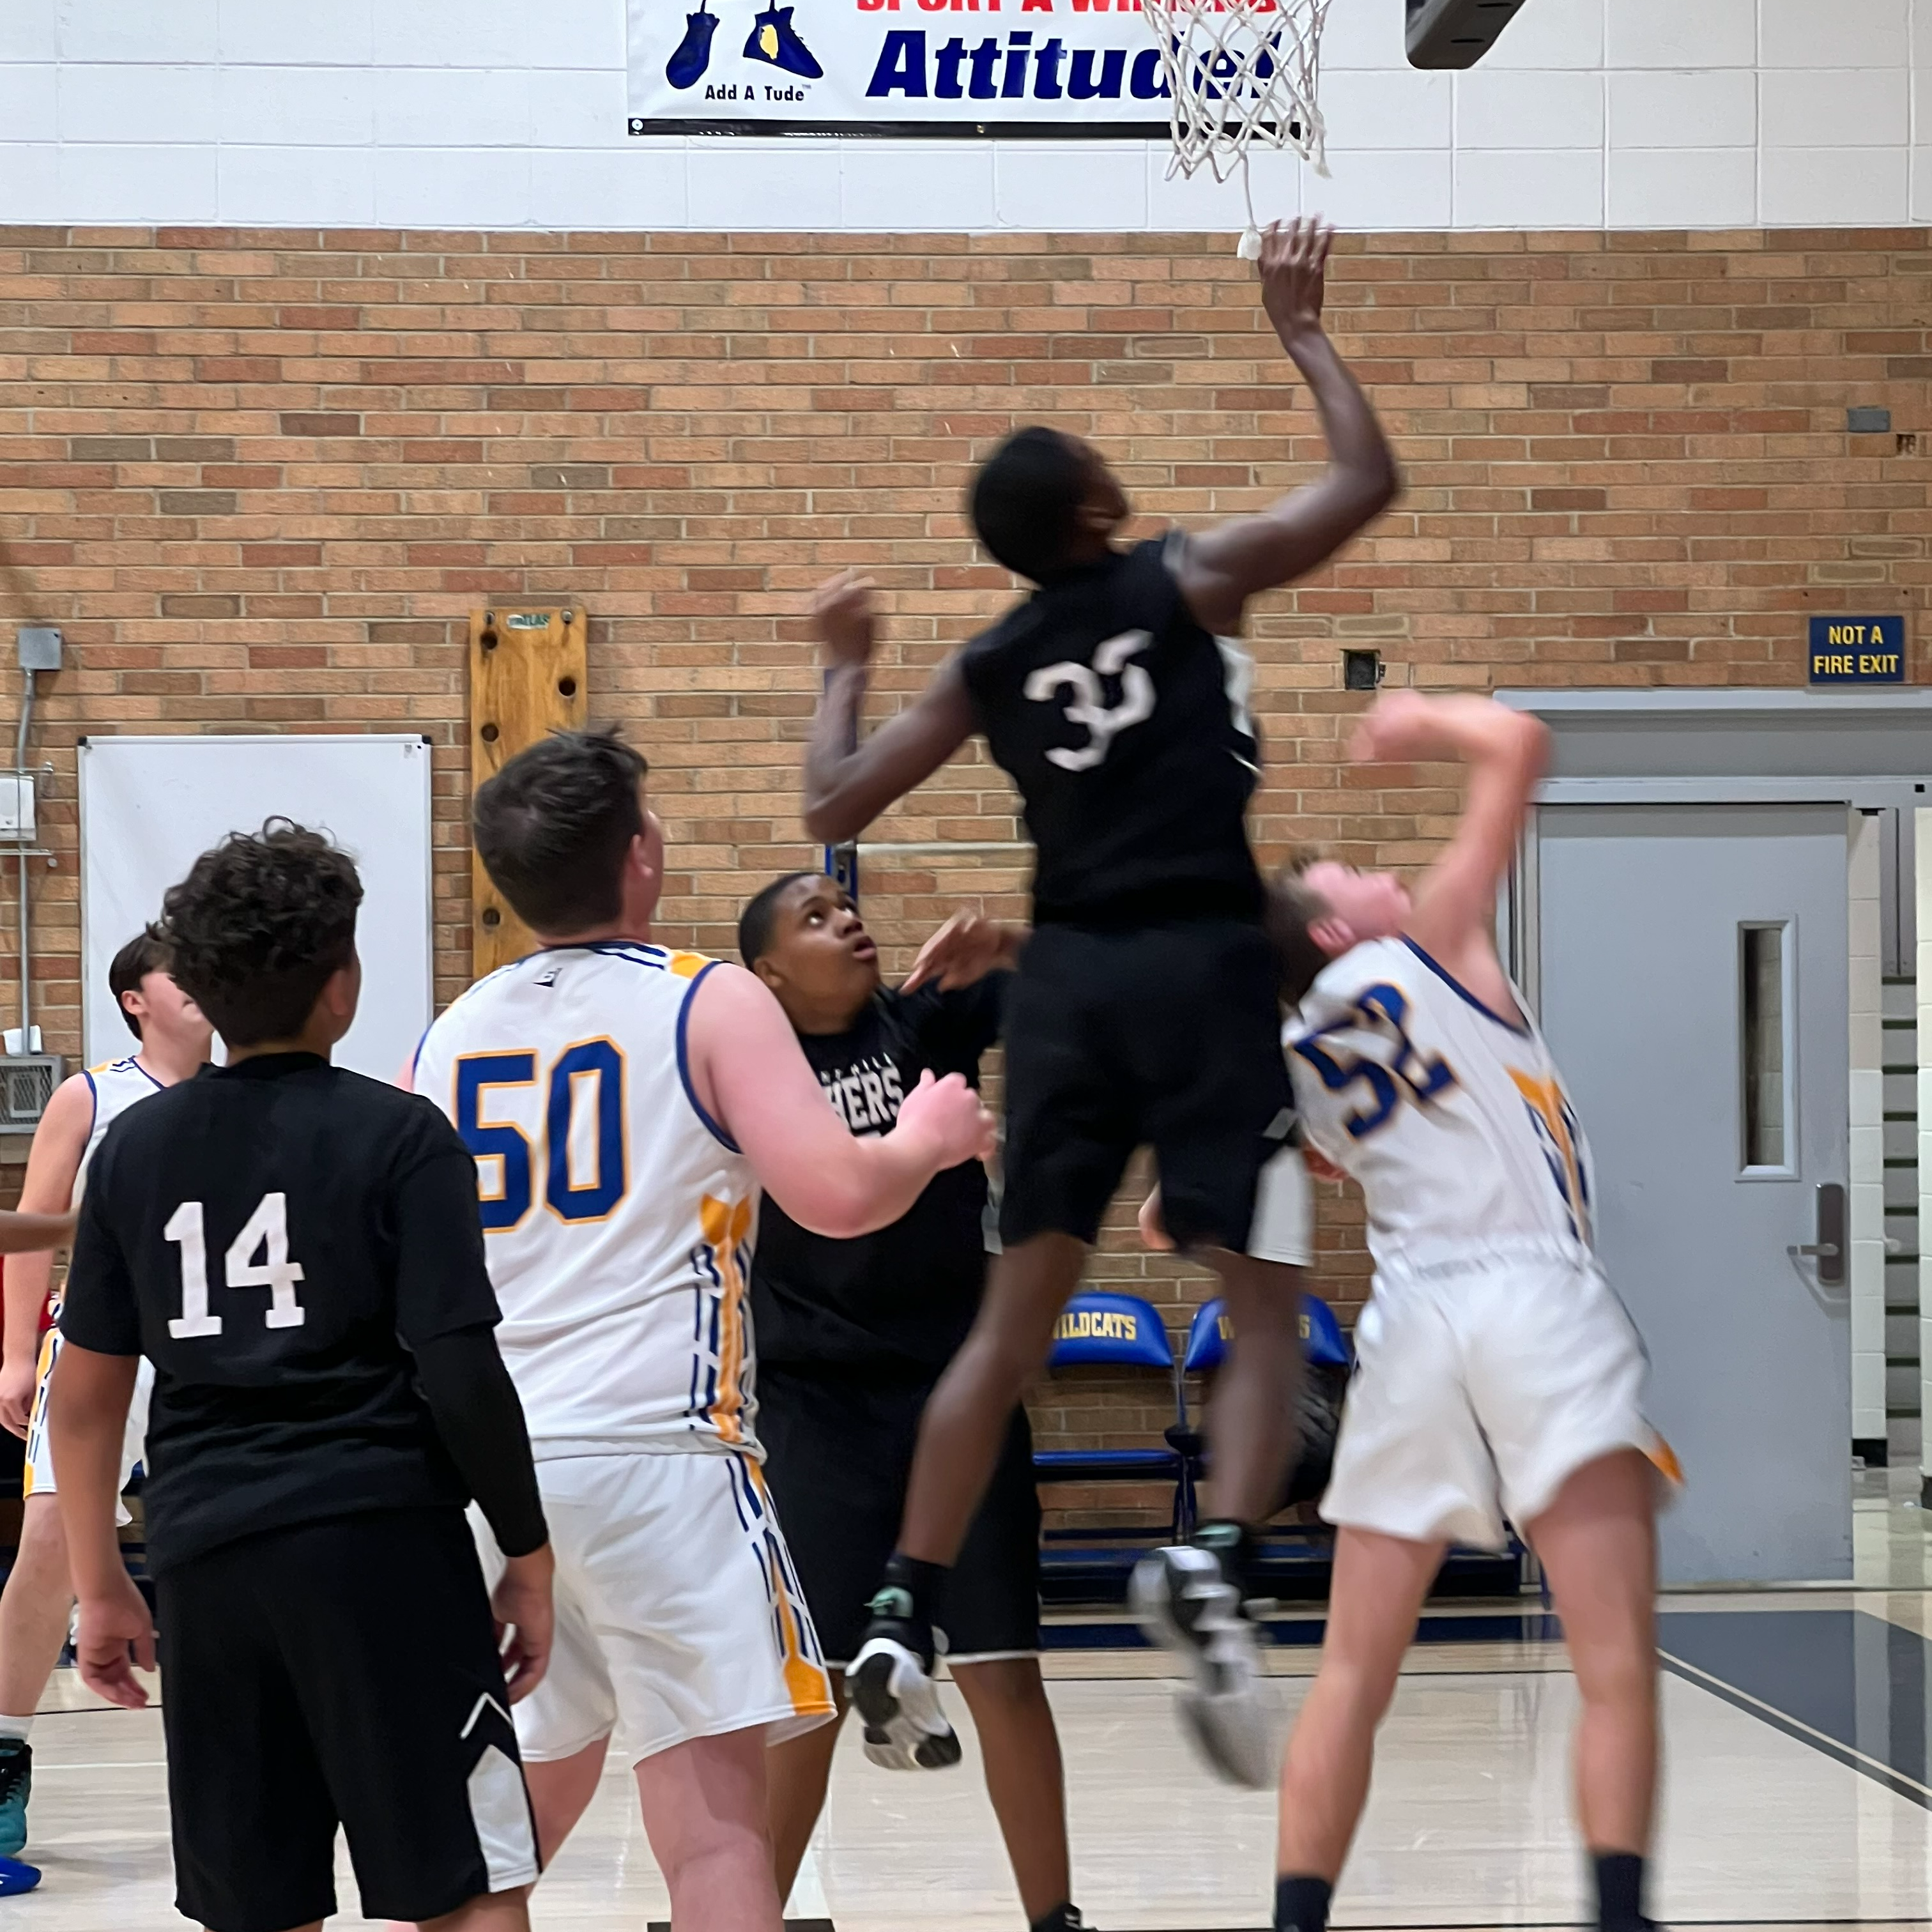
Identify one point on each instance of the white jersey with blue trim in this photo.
(619, 1217)
(115, 1086)
(1454, 1120)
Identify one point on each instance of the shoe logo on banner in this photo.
(937, 67)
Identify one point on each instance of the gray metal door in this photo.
(1693, 970)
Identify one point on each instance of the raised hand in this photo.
(1399, 726)
(845, 618)
(967, 947)
(1293, 271)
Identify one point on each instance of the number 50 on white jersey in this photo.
(619, 1217)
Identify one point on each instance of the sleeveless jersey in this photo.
(1454, 1120)
(1125, 725)
(619, 1218)
(115, 1087)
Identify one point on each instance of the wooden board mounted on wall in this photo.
(527, 678)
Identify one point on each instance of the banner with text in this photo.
(1077, 68)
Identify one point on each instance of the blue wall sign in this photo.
(1858, 650)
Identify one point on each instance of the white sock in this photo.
(15, 1727)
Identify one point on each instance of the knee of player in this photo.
(1364, 1685)
(1619, 1670)
(42, 1532)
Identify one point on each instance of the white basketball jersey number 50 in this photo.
(267, 1231)
(1103, 724)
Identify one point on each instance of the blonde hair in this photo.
(1294, 907)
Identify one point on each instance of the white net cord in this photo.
(1240, 73)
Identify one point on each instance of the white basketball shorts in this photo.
(39, 1480)
(1283, 1228)
(679, 1614)
(1479, 1389)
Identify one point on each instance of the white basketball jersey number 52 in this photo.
(1103, 724)
(267, 1232)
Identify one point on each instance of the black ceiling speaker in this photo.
(1455, 33)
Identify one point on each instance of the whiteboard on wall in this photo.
(149, 807)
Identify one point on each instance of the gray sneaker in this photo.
(1186, 1604)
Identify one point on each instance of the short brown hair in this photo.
(142, 955)
(553, 825)
(1293, 907)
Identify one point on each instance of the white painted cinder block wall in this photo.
(1628, 114)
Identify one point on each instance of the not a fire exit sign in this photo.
(1858, 650)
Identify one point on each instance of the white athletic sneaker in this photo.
(1188, 1605)
(899, 1703)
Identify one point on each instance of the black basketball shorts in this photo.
(1168, 1036)
(838, 1451)
(342, 1672)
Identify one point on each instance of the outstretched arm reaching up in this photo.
(1221, 568)
(848, 784)
(1453, 917)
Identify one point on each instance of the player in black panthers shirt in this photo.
(1145, 1010)
(298, 1251)
(852, 1335)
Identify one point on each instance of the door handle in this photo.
(1829, 1249)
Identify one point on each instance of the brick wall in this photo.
(261, 478)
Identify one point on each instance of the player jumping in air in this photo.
(1500, 1377)
(1145, 1007)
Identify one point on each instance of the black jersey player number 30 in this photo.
(265, 1235)
(1103, 723)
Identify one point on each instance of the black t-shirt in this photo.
(1125, 725)
(899, 1300)
(274, 1236)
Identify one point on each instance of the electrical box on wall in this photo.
(1361, 670)
(18, 818)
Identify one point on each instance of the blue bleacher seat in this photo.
(1103, 1329)
(1321, 1337)
(1322, 1342)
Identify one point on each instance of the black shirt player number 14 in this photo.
(899, 1301)
(276, 1237)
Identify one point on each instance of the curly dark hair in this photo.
(553, 826)
(256, 928)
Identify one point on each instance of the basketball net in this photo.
(1241, 74)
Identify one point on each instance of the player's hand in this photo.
(845, 618)
(966, 948)
(525, 1619)
(1319, 1166)
(114, 1639)
(19, 1378)
(950, 1113)
(1293, 271)
(1153, 1226)
(1399, 726)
